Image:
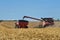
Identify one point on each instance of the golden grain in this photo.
(49, 33)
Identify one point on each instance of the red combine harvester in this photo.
(45, 22)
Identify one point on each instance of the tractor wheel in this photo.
(16, 26)
(44, 26)
(26, 26)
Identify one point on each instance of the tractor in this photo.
(45, 22)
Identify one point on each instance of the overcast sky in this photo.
(16, 9)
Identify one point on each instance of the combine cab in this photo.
(45, 22)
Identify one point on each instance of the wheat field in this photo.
(8, 32)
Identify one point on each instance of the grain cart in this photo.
(45, 22)
(21, 24)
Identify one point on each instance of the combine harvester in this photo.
(23, 23)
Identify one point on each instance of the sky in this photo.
(16, 9)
